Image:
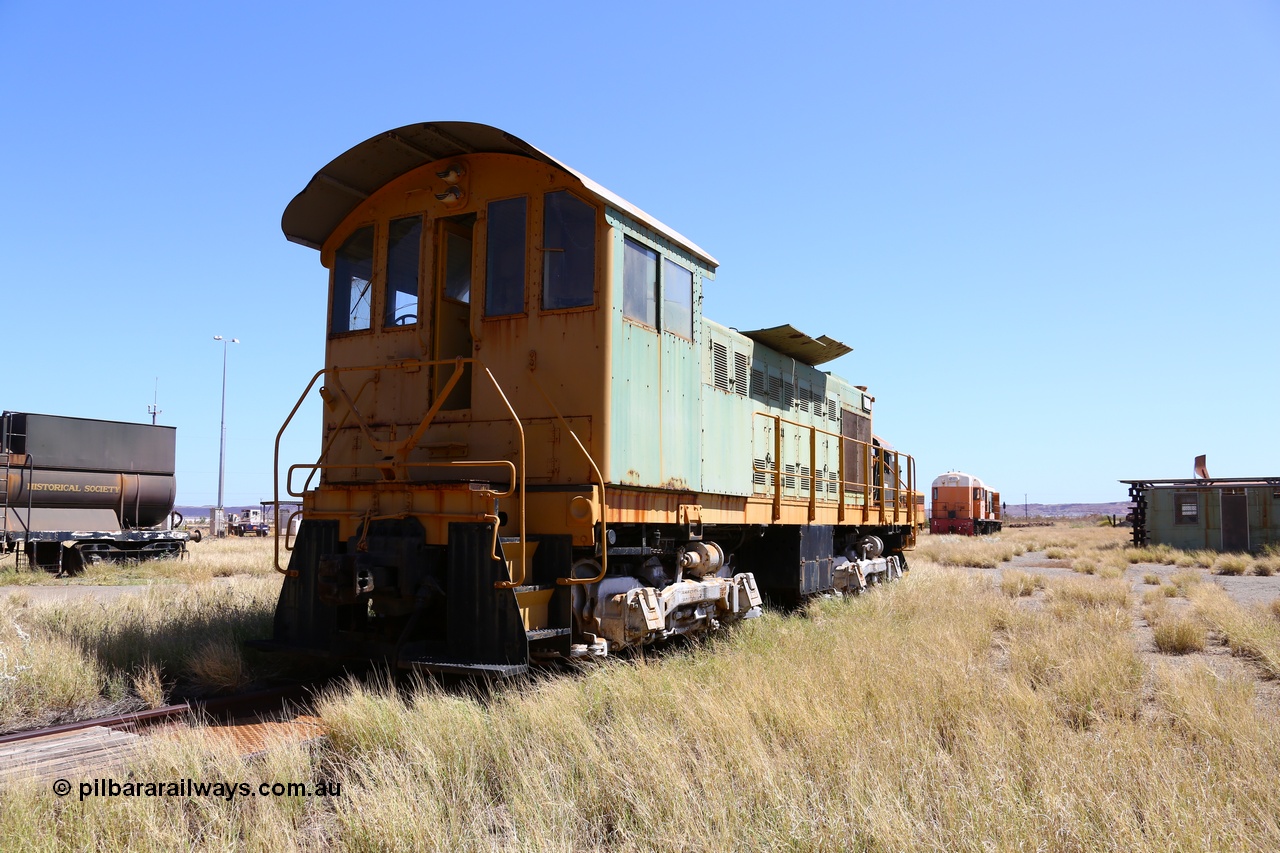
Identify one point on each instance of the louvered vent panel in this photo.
(720, 365)
(741, 369)
(757, 384)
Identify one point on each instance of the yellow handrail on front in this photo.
(398, 466)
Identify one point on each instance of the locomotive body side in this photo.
(532, 447)
(963, 504)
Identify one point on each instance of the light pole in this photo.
(217, 525)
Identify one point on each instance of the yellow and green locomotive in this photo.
(534, 446)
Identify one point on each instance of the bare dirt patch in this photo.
(1246, 590)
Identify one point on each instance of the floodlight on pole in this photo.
(216, 525)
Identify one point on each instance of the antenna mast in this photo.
(154, 408)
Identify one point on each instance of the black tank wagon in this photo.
(76, 490)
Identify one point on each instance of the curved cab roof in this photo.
(350, 178)
(958, 478)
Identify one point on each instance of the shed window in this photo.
(639, 283)
(677, 299)
(569, 252)
(404, 245)
(352, 276)
(1186, 508)
(504, 258)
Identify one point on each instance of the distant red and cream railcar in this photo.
(963, 504)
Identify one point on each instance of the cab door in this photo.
(453, 306)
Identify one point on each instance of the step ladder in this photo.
(9, 463)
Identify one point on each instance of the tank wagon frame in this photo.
(75, 491)
(534, 445)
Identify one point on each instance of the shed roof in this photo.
(1211, 483)
(350, 178)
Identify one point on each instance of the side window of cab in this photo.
(352, 283)
(568, 252)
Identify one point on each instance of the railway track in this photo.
(250, 723)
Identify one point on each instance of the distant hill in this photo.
(1014, 511)
(203, 511)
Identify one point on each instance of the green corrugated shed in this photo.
(1234, 514)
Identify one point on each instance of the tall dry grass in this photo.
(983, 552)
(932, 714)
(1250, 632)
(83, 658)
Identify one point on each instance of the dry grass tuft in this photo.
(1249, 632)
(1183, 582)
(149, 686)
(1204, 559)
(1151, 578)
(217, 665)
(1266, 566)
(1231, 564)
(1069, 596)
(1159, 554)
(1015, 584)
(1085, 566)
(1176, 633)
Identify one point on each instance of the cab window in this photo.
(504, 258)
(569, 252)
(404, 246)
(639, 283)
(352, 277)
(677, 299)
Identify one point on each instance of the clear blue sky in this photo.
(1050, 231)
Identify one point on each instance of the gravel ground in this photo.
(1243, 589)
